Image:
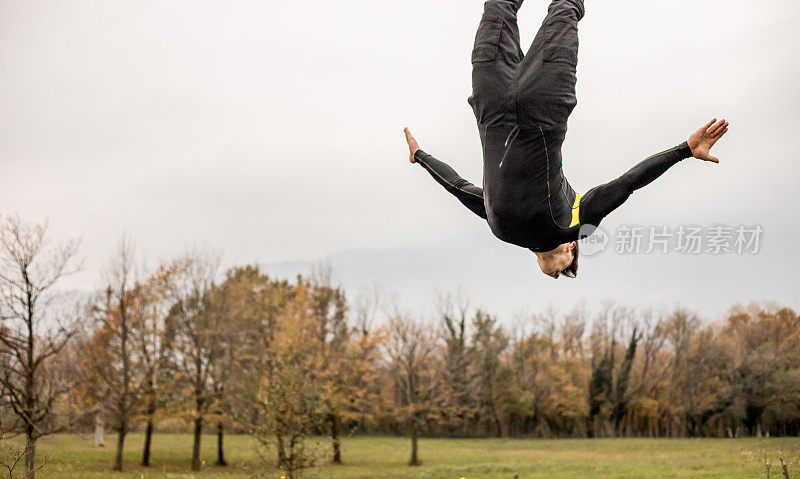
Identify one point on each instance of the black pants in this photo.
(532, 90)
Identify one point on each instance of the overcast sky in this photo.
(272, 132)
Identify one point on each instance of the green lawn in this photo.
(74, 456)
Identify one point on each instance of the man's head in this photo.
(559, 261)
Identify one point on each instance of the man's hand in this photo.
(412, 145)
(703, 139)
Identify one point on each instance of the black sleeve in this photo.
(467, 193)
(603, 199)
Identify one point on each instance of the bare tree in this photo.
(457, 398)
(621, 396)
(148, 325)
(680, 329)
(194, 339)
(409, 347)
(120, 289)
(547, 323)
(489, 341)
(651, 370)
(603, 344)
(10, 458)
(37, 326)
(365, 385)
(653, 340)
(328, 313)
(226, 329)
(573, 329)
(110, 359)
(365, 308)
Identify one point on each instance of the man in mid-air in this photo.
(522, 103)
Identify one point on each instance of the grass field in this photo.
(73, 456)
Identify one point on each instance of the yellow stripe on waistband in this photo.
(576, 208)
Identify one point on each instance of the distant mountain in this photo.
(506, 280)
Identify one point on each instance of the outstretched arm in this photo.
(468, 194)
(604, 199)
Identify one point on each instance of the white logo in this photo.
(595, 242)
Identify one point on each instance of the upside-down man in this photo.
(522, 103)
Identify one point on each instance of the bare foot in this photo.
(413, 147)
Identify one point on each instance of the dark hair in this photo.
(572, 269)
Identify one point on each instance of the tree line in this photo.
(290, 362)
